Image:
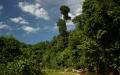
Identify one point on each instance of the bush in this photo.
(19, 68)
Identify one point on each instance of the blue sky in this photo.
(32, 21)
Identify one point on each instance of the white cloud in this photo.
(75, 7)
(19, 20)
(30, 29)
(2, 25)
(34, 9)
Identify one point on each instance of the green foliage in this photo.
(16, 58)
(78, 22)
(101, 25)
(94, 41)
(9, 49)
(19, 67)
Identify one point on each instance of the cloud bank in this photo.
(34, 9)
(75, 7)
(19, 20)
(30, 29)
(2, 25)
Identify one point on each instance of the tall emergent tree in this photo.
(64, 11)
(62, 25)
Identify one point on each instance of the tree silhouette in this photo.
(65, 10)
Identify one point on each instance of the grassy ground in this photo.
(69, 73)
(59, 73)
